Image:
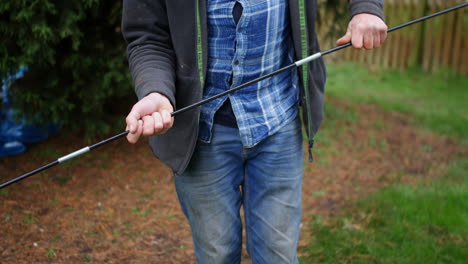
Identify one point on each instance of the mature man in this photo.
(244, 149)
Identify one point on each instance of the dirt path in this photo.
(118, 205)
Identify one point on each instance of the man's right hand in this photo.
(150, 116)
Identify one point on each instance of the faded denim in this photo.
(266, 179)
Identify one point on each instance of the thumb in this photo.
(132, 121)
(345, 39)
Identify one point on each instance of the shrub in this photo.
(78, 74)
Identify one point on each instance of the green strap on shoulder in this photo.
(305, 69)
(199, 46)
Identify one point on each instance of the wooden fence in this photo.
(437, 43)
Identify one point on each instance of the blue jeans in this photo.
(266, 179)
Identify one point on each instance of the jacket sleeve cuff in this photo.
(154, 81)
(374, 7)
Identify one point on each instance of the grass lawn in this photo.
(437, 101)
(422, 223)
(400, 224)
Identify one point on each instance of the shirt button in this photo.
(236, 62)
(239, 30)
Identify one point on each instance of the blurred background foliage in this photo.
(78, 74)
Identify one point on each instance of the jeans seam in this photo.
(246, 212)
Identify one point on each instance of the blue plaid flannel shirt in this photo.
(259, 44)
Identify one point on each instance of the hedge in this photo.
(78, 73)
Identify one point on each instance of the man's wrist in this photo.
(155, 95)
(158, 97)
(373, 7)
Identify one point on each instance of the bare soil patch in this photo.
(117, 204)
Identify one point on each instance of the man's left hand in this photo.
(365, 31)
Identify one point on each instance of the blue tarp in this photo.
(15, 135)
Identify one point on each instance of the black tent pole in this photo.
(293, 65)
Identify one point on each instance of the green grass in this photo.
(333, 128)
(400, 224)
(437, 101)
(50, 254)
(426, 223)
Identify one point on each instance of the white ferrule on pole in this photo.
(73, 154)
(308, 59)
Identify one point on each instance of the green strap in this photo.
(305, 69)
(199, 47)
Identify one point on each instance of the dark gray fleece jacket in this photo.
(167, 53)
